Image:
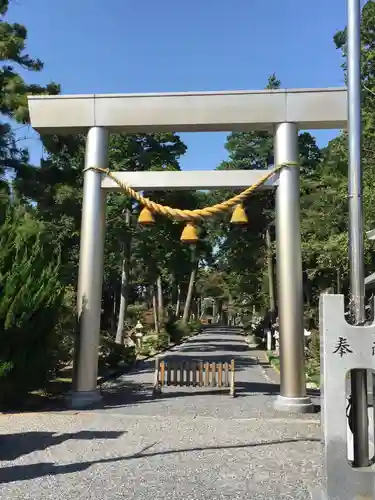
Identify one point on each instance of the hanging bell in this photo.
(239, 216)
(146, 217)
(189, 234)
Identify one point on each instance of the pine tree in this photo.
(30, 304)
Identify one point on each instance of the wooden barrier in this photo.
(194, 373)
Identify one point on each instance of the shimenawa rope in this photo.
(199, 213)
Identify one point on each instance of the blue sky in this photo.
(91, 46)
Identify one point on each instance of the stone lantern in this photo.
(139, 332)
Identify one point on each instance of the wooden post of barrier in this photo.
(156, 389)
(232, 390)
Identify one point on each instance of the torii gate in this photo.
(282, 112)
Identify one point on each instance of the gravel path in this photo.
(187, 444)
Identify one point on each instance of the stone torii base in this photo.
(343, 348)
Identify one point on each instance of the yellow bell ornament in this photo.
(189, 234)
(146, 217)
(239, 216)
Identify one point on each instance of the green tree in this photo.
(324, 194)
(56, 187)
(30, 305)
(14, 90)
(243, 253)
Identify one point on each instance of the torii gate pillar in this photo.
(289, 272)
(90, 279)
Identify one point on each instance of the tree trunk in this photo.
(338, 280)
(159, 287)
(308, 294)
(155, 310)
(173, 293)
(203, 308)
(178, 301)
(271, 277)
(123, 301)
(114, 311)
(124, 296)
(214, 311)
(190, 292)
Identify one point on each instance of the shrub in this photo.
(194, 325)
(178, 330)
(313, 358)
(112, 354)
(314, 346)
(162, 341)
(145, 350)
(66, 327)
(273, 359)
(135, 311)
(153, 343)
(5, 367)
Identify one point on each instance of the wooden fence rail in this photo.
(195, 373)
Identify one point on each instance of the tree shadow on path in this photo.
(127, 395)
(33, 471)
(13, 446)
(121, 398)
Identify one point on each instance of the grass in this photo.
(312, 368)
(57, 387)
(274, 360)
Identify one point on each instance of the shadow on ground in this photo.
(129, 395)
(32, 471)
(213, 347)
(13, 446)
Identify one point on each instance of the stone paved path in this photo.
(187, 444)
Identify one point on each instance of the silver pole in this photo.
(356, 251)
(90, 279)
(289, 271)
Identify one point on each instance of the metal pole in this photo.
(289, 271)
(90, 279)
(356, 251)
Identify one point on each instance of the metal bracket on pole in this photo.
(343, 348)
